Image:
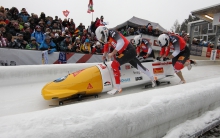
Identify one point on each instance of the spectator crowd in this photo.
(21, 30)
(148, 29)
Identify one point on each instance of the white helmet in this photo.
(102, 34)
(138, 39)
(97, 43)
(163, 40)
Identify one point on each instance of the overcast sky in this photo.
(164, 12)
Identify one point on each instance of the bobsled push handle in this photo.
(104, 62)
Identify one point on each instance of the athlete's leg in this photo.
(137, 64)
(120, 60)
(152, 54)
(187, 61)
(115, 67)
(179, 62)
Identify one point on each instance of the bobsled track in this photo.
(136, 112)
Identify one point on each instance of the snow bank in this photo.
(11, 75)
(190, 127)
(134, 115)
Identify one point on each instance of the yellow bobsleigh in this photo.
(84, 82)
(100, 78)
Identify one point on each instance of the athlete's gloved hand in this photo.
(159, 58)
(165, 59)
(104, 58)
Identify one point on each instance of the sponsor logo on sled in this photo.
(76, 73)
(102, 66)
(138, 78)
(136, 72)
(158, 70)
(125, 80)
(127, 67)
(161, 63)
(107, 83)
(89, 86)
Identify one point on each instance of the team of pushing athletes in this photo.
(118, 48)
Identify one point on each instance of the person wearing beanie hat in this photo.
(97, 49)
(48, 44)
(66, 44)
(33, 44)
(77, 45)
(86, 47)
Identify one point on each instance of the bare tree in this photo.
(176, 27)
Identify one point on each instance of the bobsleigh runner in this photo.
(99, 78)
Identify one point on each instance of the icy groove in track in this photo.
(27, 97)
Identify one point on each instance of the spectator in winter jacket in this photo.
(77, 45)
(56, 28)
(24, 15)
(66, 45)
(13, 13)
(33, 44)
(86, 47)
(27, 34)
(72, 24)
(49, 45)
(14, 29)
(42, 26)
(97, 49)
(3, 41)
(5, 34)
(38, 34)
(100, 22)
(84, 36)
(65, 23)
(80, 27)
(19, 42)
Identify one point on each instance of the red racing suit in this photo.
(181, 51)
(144, 47)
(126, 54)
(177, 44)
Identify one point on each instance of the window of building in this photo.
(196, 29)
(210, 26)
(211, 38)
(204, 28)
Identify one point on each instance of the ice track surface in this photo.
(25, 98)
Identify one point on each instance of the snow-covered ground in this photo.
(190, 127)
(24, 113)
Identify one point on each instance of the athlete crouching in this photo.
(143, 49)
(180, 56)
(123, 53)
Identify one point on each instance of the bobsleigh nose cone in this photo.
(85, 82)
(46, 91)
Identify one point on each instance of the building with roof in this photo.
(208, 28)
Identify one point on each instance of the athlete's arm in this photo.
(146, 42)
(120, 42)
(175, 41)
(162, 51)
(138, 50)
(106, 50)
